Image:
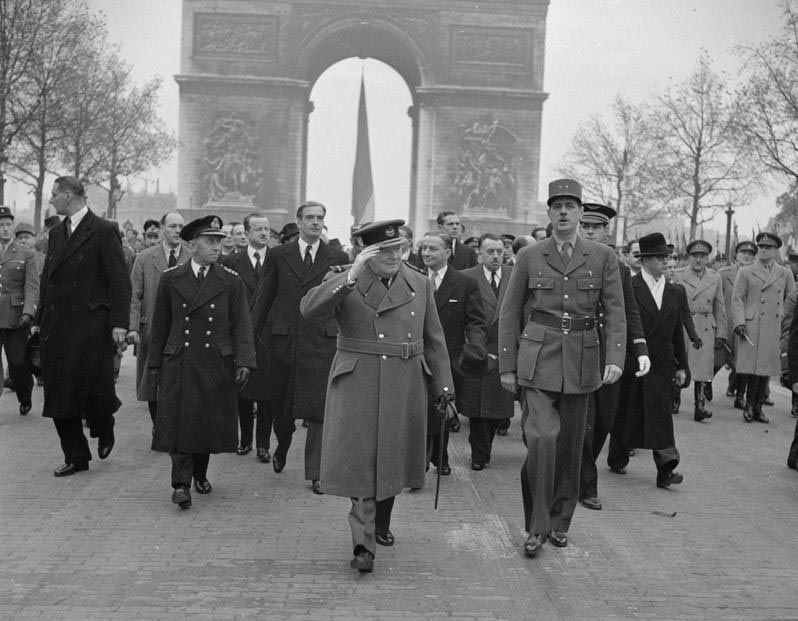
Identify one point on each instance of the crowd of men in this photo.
(240, 331)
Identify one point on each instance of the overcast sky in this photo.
(595, 50)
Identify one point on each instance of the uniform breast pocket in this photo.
(529, 347)
(592, 286)
(540, 282)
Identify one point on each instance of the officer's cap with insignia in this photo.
(745, 246)
(699, 246)
(384, 234)
(768, 239)
(5, 212)
(560, 188)
(596, 213)
(209, 225)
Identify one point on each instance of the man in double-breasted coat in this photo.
(19, 297)
(760, 291)
(201, 349)
(300, 350)
(646, 420)
(390, 354)
(704, 290)
(83, 316)
(549, 346)
(482, 399)
(150, 263)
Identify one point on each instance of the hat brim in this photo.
(390, 243)
(210, 233)
(489, 366)
(578, 199)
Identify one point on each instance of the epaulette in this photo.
(228, 270)
(414, 267)
(337, 269)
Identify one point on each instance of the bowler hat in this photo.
(768, 239)
(653, 245)
(288, 232)
(474, 361)
(564, 187)
(699, 245)
(384, 234)
(207, 225)
(596, 213)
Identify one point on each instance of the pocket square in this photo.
(453, 300)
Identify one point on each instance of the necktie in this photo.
(566, 252)
(386, 282)
(68, 227)
(494, 285)
(201, 273)
(172, 258)
(434, 278)
(257, 262)
(308, 262)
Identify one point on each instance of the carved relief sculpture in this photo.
(230, 166)
(485, 178)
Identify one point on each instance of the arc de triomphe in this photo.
(475, 71)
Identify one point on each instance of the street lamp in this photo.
(729, 216)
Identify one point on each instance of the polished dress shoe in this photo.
(385, 539)
(25, 407)
(591, 503)
(278, 463)
(263, 456)
(760, 417)
(558, 538)
(533, 544)
(202, 486)
(618, 469)
(768, 401)
(316, 487)
(794, 411)
(477, 465)
(445, 470)
(182, 497)
(669, 478)
(70, 469)
(701, 414)
(105, 444)
(363, 562)
(792, 465)
(244, 450)
(748, 413)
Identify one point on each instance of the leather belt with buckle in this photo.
(566, 323)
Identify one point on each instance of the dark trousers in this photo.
(481, 432)
(263, 427)
(665, 459)
(757, 387)
(601, 408)
(792, 456)
(434, 447)
(248, 412)
(313, 450)
(152, 406)
(73, 440)
(246, 419)
(187, 465)
(368, 517)
(284, 428)
(15, 343)
(554, 432)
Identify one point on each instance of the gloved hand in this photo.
(698, 344)
(720, 343)
(242, 377)
(741, 331)
(25, 321)
(441, 406)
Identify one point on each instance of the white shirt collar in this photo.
(76, 217)
(167, 250)
(314, 248)
(657, 287)
(489, 274)
(196, 267)
(261, 253)
(441, 272)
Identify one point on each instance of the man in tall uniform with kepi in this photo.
(83, 317)
(201, 349)
(549, 347)
(300, 350)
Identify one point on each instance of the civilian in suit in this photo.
(249, 264)
(646, 418)
(549, 347)
(792, 375)
(83, 316)
(462, 315)
(603, 404)
(760, 291)
(150, 263)
(462, 256)
(482, 399)
(300, 350)
(19, 296)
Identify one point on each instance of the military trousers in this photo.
(188, 465)
(15, 342)
(553, 426)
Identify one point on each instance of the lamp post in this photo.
(729, 216)
(3, 160)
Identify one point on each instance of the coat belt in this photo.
(566, 322)
(381, 348)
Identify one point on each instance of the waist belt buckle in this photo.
(565, 324)
(405, 350)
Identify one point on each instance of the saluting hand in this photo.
(612, 373)
(361, 259)
(242, 377)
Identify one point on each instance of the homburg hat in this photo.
(474, 361)
(653, 245)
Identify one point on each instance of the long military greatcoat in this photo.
(85, 292)
(200, 333)
(708, 310)
(484, 397)
(758, 304)
(376, 409)
(148, 266)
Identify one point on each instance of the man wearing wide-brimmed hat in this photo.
(390, 353)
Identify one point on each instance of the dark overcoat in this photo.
(85, 292)
(148, 266)
(300, 350)
(484, 397)
(200, 333)
(648, 420)
(375, 422)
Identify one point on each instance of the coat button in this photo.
(565, 296)
(380, 336)
(186, 318)
(186, 332)
(185, 344)
(210, 318)
(412, 313)
(377, 315)
(213, 306)
(208, 333)
(565, 278)
(410, 336)
(384, 357)
(184, 304)
(207, 345)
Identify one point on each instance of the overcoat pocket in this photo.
(342, 368)
(590, 371)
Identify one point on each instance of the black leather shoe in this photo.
(25, 407)
(385, 539)
(244, 450)
(669, 478)
(700, 415)
(618, 469)
(69, 469)
(477, 465)
(591, 503)
(263, 456)
(768, 401)
(739, 404)
(533, 544)
(759, 416)
(105, 444)
(794, 411)
(278, 463)
(445, 470)
(203, 486)
(363, 562)
(748, 414)
(730, 392)
(316, 487)
(792, 465)
(558, 538)
(182, 497)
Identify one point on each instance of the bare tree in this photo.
(702, 165)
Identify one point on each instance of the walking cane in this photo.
(443, 407)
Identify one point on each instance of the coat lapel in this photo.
(371, 289)
(79, 237)
(185, 282)
(644, 298)
(320, 264)
(442, 294)
(489, 300)
(578, 254)
(294, 261)
(212, 286)
(400, 292)
(553, 257)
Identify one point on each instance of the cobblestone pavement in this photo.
(108, 543)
